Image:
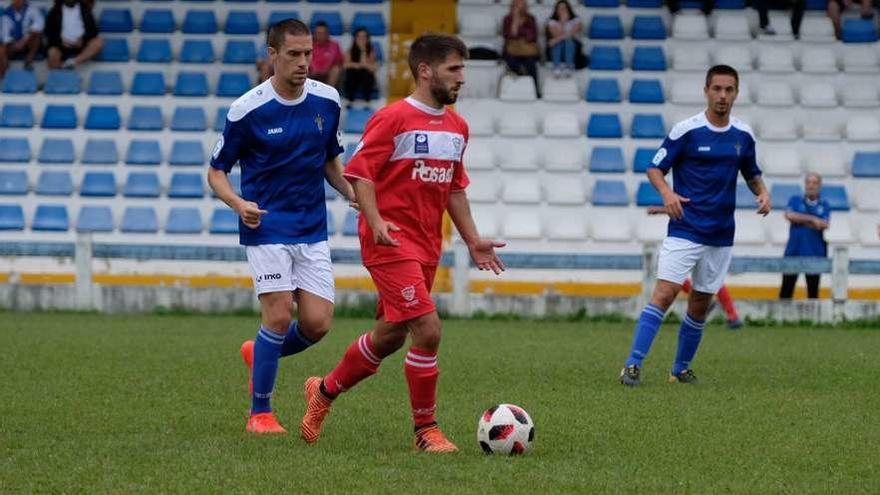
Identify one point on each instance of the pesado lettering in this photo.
(425, 173)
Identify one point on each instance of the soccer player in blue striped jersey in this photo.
(706, 153)
(284, 136)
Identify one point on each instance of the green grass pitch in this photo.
(157, 404)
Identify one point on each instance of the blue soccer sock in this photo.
(689, 336)
(267, 350)
(646, 329)
(294, 341)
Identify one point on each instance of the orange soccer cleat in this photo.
(264, 423)
(317, 408)
(247, 354)
(431, 439)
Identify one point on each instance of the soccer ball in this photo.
(505, 429)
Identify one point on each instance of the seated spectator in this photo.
(264, 66)
(563, 33)
(21, 26)
(837, 7)
(72, 34)
(809, 216)
(326, 56)
(797, 14)
(360, 68)
(675, 6)
(521, 41)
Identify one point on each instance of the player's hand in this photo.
(483, 253)
(672, 204)
(382, 233)
(763, 201)
(250, 214)
(656, 210)
(819, 224)
(354, 204)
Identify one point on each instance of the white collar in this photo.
(425, 108)
(301, 98)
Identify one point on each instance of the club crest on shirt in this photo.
(456, 144)
(408, 292)
(319, 121)
(421, 144)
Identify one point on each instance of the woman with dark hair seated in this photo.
(360, 67)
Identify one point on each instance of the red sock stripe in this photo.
(366, 349)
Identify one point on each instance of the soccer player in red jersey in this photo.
(406, 172)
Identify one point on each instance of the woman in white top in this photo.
(563, 29)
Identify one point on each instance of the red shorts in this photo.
(404, 289)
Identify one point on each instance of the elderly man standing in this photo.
(809, 216)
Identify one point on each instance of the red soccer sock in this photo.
(360, 361)
(727, 303)
(421, 373)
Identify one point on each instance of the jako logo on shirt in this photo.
(421, 146)
(425, 173)
(275, 130)
(269, 276)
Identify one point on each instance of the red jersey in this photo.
(412, 154)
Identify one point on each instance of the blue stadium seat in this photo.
(836, 196)
(324, 1)
(95, 219)
(115, 21)
(59, 117)
(859, 31)
(644, 4)
(187, 153)
(183, 220)
(606, 27)
(13, 182)
(239, 52)
(197, 52)
(102, 117)
(223, 221)
(817, 5)
(744, 196)
(143, 152)
(186, 185)
(332, 18)
(145, 118)
(148, 84)
(98, 184)
(189, 119)
(17, 115)
(603, 90)
(14, 149)
(199, 22)
(349, 152)
(604, 125)
(100, 152)
(11, 217)
(235, 180)
(331, 224)
(233, 84)
(730, 4)
(647, 195)
(103, 82)
(154, 51)
(607, 159)
(62, 82)
(279, 15)
(50, 217)
(649, 58)
(191, 84)
(642, 159)
(648, 27)
(141, 185)
(646, 91)
(606, 58)
(610, 193)
(329, 193)
(140, 220)
(19, 81)
(242, 22)
(647, 126)
(157, 21)
(866, 164)
(350, 224)
(373, 22)
(114, 50)
(379, 51)
(54, 183)
(602, 3)
(780, 194)
(220, 119)
(56, 150)
(356, 120)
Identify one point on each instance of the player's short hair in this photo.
(813, 174)
(722, 70)
(277, 31)
(432, 49)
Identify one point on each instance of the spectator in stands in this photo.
(327, 57)
(809, 216)
(675, 6)
(72, 34)
(797, 14)
(360, 67)
(264, 67)
(21, 27)
(520, 32)
(837, 7)
(563, 31)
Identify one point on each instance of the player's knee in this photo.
(426, 331)
(315, 328)
(388, 343)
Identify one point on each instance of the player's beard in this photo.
(441, 93)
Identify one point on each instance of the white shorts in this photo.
(707, 264)
(287, 267)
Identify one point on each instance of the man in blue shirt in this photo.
(809, 216)
(284, 136)
(21, 26)
(706, 153)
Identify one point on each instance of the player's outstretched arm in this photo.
(671, 201)
(366, 196)
(333, 171)
(482, 250)
(762, 195)
(249, 211)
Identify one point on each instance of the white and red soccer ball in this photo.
(505, 429)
